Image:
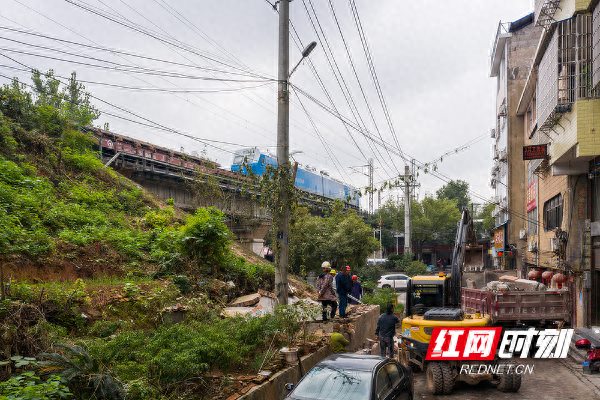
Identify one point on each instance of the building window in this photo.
(553, 211)
(532, 223)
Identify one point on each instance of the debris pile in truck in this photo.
(507, 283)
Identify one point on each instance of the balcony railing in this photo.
(565, 71)
(596, 46)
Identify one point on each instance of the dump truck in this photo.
(441, 301)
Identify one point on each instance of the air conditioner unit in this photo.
(522, 234)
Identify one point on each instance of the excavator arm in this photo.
(464, 235)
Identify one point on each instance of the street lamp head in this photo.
(308, 49)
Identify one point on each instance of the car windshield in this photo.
(328, 383)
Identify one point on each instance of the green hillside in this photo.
(91, 267)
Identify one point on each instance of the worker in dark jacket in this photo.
(357, 290)
(343, 284)
(386, 330)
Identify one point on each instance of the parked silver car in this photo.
(394, 281)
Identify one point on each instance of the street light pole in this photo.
(283, 148)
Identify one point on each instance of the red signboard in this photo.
(531, 196)
(466, 343)
(535, 152)
(499, 238)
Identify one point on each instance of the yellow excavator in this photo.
(435, 301)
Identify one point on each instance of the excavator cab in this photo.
(425, 292)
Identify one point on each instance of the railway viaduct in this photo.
(192, 182)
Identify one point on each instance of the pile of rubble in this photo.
(264, 302)
(511, 283)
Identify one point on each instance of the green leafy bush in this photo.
(383, 297)
(416, 268)
(183, 283)
(248, 276)
(84, 374)
(29, 386)
(206, 238)
(174, 353)
(104, 329)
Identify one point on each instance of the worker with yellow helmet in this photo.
(326, 291)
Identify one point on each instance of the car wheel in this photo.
(385, 286)
(435, 378)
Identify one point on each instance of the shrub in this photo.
(82, 161)
(248, 276)
(416, 268)
(84, 374)
(183, 283)
(206, 238)
(29, 386)
(160, 218)
(383, 297)
(104, 329)
(172, 354)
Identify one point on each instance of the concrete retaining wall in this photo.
(274, 388)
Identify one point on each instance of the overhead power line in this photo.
(364, 95)
(246, 124)
(116, 51)
(137, 28)
(154, 89)
(377, 141)
(331, 60)
(207, 142)
(373, 71)
(138, 70)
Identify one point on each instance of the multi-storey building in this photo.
(560, 111)
(512, 53)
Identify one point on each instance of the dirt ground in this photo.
(551, 379)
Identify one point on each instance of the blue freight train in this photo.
(306, 180)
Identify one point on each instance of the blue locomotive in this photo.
(309, 181)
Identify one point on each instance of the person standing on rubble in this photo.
(343, 284)
(326, 291)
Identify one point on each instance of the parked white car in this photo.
(394, 281)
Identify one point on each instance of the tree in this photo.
(455, 190)
(341, 237)
(434, 220)
(485, 219)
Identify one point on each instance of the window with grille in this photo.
(532, 223)
(553, 213)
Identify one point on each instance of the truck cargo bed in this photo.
(522, 306)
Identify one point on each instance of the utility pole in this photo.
(283, 144)
(380, 225)
(371, 170)
(407, 196)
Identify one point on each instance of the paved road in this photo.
(551, 379)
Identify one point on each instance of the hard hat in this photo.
(347, 268)
(354, 277)
(333, 272)
(326, 265)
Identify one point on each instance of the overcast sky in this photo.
(431, 59)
